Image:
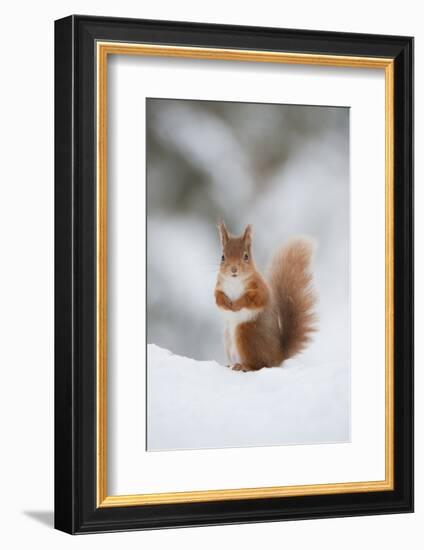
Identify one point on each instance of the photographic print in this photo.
(248, 298)
(233, 274)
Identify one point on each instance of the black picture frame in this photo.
(76, 509)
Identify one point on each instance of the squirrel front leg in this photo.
(223, 301)
(252, 299)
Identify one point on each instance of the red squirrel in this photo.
(267, 320)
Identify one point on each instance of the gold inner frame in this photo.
(104, 49)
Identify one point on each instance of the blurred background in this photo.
(282, 168)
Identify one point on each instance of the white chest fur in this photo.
(233, 287)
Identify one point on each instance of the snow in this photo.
(202, 404)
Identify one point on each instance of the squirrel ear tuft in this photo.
(223, 233)
(247, 235)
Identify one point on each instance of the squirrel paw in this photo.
(244, 368)
(240, 367)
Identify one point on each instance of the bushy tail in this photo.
(290, 279)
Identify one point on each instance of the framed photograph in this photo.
(234, 274)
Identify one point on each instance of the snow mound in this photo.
(201, 404)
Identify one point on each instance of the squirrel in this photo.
(267, 320)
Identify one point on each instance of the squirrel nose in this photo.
(233, 269)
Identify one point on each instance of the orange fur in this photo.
(291, 282)
(222, 300)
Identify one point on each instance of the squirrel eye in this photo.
(246, 257)
(222, 258)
